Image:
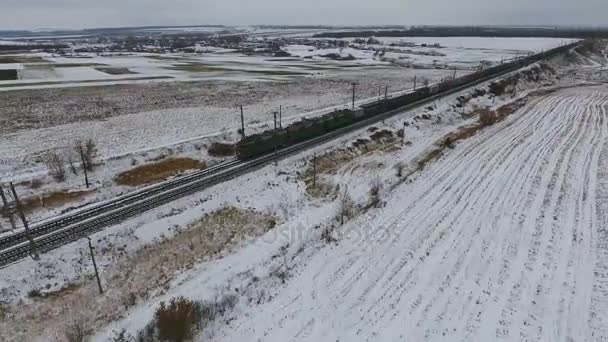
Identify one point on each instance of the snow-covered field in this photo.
(502, 237)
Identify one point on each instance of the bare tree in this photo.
(87, 150)
(56, 165)
(72, 164)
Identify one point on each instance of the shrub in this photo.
(180, 319)
(374, 192)
(487, 117)
(76, 332)
(347, 207)
(399, 168)
(55, 164)
(221, 150)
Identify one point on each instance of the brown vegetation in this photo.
(53, 199)
(155, 172)
(136, 277)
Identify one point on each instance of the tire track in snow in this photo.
(475, 244)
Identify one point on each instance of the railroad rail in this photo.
(56, 232)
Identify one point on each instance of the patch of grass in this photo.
(155, 172)
(116, 71)
(221, 150)
(52, 200)
(331, 162)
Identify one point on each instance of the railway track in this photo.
(51, 234)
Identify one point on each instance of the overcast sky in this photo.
(30, 14)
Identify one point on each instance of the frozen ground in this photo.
(468, 248)
(139, 123)
(500, 239)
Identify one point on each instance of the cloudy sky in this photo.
(30, 14)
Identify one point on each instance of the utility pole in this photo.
(314, 170)
(281, 116)
(242, 123)
(454, 75)
(95, 266)
(275, 120)
(34, 251)
(354, 92)
(386, 92)
(379, 91)
(415, 79)
(7, 208)
(85, 165)
(403, 137)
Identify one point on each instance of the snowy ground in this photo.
(499, 238)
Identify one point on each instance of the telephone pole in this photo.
(95, 266)
(386, 92)
(34, 251)
(354, 92)
(84, 163)
(281, 116)
(242, 123)
(415, 80)
(314, 170)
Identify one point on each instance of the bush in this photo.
(55, 164)
(221, 150)
(76, 332)
(176, 321)
(487, 117)
(374, 192)
(182, 318)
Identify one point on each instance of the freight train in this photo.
(274, 140)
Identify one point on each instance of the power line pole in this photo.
(85, 164)
(415, 80)
(454, 75)
(275, 120)
(95, 266)
(8, 209)
(314, 171)
(34, 251)
(281, 116)
(354, 91)
(242, 123)
(386, 92)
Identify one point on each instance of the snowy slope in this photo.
(497, 240)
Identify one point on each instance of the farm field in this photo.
(493, 234)
(140, 107)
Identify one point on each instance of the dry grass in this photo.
(332, 161)
(140, 276)
(52, 200)
(159, 171)
(486, 118)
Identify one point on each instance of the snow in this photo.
(500, 238)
